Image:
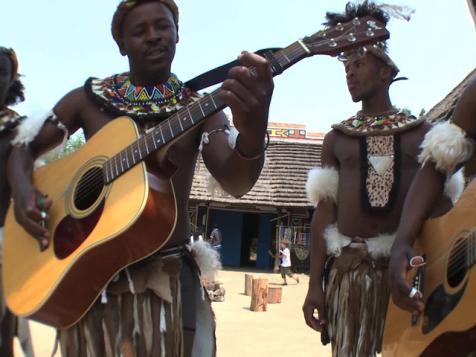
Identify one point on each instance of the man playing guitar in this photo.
(146, 31)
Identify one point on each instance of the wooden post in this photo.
(259, 295)
(274, 295)
(248, 281)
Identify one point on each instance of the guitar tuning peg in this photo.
(370, 33)
(351, 37)
(356, 21)
(339, 27)
(332, 43)
(373, 25)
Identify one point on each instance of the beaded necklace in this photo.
(120, 96)
(382, 124)
(380, 155)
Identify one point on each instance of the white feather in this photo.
(207, 258)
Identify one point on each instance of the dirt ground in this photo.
(280, 331)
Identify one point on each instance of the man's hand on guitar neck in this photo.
(403, 294)
(247, 92)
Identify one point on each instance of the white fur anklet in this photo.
(447, 146)
(322, 183)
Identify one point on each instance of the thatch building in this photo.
(274, 209)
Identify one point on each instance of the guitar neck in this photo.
(188, 117)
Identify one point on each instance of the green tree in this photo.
(72, 144)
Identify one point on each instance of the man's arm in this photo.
(324, 215)
(28, 202)
(426, 189)
(248, 95)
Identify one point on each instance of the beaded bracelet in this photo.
(255, 157)
(232, 141)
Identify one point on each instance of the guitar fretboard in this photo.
(186, 118)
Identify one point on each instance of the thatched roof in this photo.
(282, 180)
(444, 109)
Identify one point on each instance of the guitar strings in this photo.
(461, 258)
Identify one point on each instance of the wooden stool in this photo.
(259, 295)
(248, 281)
(274, 295)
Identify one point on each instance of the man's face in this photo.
(149, 36)
(365, 77)
(5, 77)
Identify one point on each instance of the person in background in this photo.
(11, 93)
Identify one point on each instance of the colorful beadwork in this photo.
(118, 93)
(385, 124)
(8, 119)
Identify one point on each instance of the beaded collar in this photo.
(384, 124)
(8, 120)
(118, 95)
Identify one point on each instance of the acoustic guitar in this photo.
(448, 284)
(108, 211)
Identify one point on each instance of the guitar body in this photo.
(96, 230)
(448, 284)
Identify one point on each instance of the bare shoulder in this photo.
(72, 102)
(69, 108)
(471, 88)
(464, 114)
(411, 139)
(422, 129)
(331, 138)
(328, 157)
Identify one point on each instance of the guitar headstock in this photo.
(343, 37)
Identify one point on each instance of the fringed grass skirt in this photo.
(357, 296)
(151, 310)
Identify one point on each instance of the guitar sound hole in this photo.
(458, 263)
(89, 188)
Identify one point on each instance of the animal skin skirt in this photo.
(152, 308)
(357, 296)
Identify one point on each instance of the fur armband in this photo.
(454, 186)
(322, 183)
(447, 146)
(31, 126)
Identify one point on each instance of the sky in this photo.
(60, 43)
